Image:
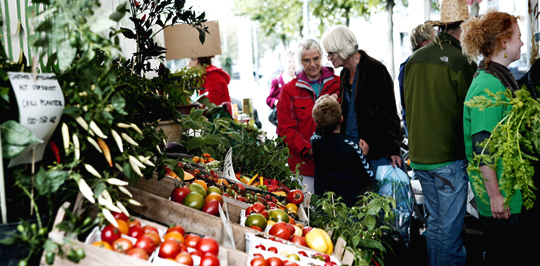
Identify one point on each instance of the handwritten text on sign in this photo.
(40, 103)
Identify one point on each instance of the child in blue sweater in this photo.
(341, 166)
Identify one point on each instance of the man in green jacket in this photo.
(437, 78)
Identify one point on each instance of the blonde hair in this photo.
(420, 34)
(340, 40)
(481, 36)
(327, 113)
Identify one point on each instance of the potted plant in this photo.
(98, 147)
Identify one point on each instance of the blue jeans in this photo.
(445, 195)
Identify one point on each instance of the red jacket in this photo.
(295, 122)
(215, 83)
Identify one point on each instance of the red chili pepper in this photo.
(55, 150)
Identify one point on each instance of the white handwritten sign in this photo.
(40, 103)
(228, 170)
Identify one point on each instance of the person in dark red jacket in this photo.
(278, 83)
(296, 102)
(215, 82)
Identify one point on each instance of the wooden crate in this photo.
(169, 212)
(163, 188)
(100, 256)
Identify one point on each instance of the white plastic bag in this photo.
(394, 182)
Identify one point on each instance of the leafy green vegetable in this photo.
(514, 143)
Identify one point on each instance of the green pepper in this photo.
(49, 257)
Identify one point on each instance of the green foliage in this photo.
(252, 152)
(362, 226)
(514, 143)
(146, 16)
(97, 89)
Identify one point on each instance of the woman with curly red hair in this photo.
(496, 38)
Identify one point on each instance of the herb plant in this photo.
(362, 226)
(513, 144)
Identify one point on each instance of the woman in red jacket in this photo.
(296, 102)
(215, 82)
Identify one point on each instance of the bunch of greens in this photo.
(513, 144)
(362, 226)
(252, 152)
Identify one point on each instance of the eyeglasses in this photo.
(330, 55)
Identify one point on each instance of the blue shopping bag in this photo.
(394, 182)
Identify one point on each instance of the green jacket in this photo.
(437, 78)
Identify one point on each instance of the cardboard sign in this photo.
(40, 103)
(228, 169)
(182, 41)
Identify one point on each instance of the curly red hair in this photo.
(483, 35)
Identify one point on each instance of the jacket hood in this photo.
(220, 71)
(326, 72)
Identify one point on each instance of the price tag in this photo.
(228, 170)
(40, 103)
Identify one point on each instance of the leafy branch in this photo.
(362, 226)
(513, 144)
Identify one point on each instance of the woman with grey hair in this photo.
(296, 102)
(367, 98)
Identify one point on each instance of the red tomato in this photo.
(150, 228)
(260, 246)
(169, 249)
(256, 228)
(256, 255)
(211, 207)
(110, 233)
(291, 263)
(306, 230)
(209, 260)
(179, 194)
(134, 222)
(249, 210)
(258, 207)
(155, 237)
(138, 253)
(208, 244)
(184, 258)
(145, 243)
(191, 240)
(295, 196)
(122, 245)
(330, 263)
(272, 249)
(280, 230)
(121, 216)
(178, 228)
(136, 231)
(291, 228)
(258, 262)
(300, 240)
(274, 261)
(265, 214)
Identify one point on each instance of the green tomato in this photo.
(256, 219)
(194, 200)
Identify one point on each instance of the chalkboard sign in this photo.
(41, 102)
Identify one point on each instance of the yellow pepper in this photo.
(319, 240)
(280, 193)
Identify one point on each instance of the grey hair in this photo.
(340, 40)
(306, 45)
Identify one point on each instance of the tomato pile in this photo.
(132, 238)
(276, 253)
(198, 195)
